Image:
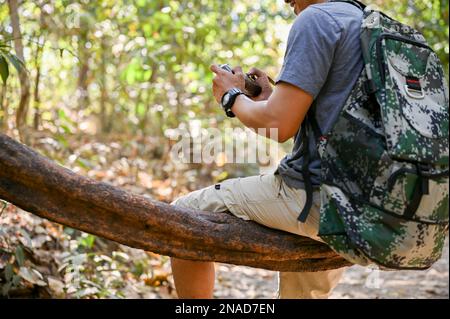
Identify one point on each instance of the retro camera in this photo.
(251, 87)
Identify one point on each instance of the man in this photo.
(323, 60)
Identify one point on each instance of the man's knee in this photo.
(206, 199)
(179, 201)
(189, 201)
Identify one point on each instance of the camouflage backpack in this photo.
(384, 192)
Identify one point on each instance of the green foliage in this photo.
(4, 69)
(143, 68)
(7, 58)
(40, 260)
(149, 60)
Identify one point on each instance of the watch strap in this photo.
(233, 94)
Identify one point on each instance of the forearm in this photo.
(255, 115)
(283, 111)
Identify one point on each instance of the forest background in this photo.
(100, 86)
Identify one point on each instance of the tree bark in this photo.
(36, 96)
(104, 99)
(4, 108)
(22, 110)
(39, 186)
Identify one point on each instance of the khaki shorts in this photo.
(267, 200)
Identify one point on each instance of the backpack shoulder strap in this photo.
(356, 3)
(306, 174)
(310, 120)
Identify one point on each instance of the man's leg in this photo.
(193, 279)
(267, 200)
(292, 285)
(308, 285)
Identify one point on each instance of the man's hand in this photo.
(263, 81)
(225, 81)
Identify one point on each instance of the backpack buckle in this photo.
(413, 88)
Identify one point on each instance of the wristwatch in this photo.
(228, 99)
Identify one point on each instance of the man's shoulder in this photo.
(341, 13)
(329, 15)
(337, 9)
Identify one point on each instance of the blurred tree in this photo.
(148, 61)
(22, 109)
(111, 77)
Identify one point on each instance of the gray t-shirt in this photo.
(323, 58)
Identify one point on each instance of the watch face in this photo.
(226, 98)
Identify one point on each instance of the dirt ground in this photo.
(357, 283)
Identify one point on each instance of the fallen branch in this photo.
(39, 186)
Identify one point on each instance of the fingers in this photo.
(257, 72)
(238, 71)
(260, 77)
(217, 69)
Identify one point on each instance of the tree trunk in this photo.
(82, 87)
(104, 119)
(43, 188)
(4, 108)
(22, 110)
(36, 96)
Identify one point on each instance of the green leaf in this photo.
(20, 257)
(62, 140)
(16, 62)
(16, 280)
(140, 109)
(84, 163)
(88, 241)
(69, 231)
(4, 69)
(9, 272)
(62, 114)
(66, 129)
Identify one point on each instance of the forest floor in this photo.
(41, 259)
(52, 257)
(356, 283)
